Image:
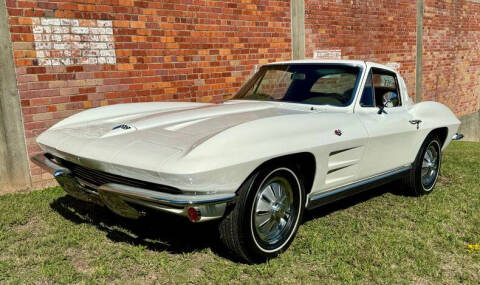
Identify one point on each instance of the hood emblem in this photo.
(122, 126)
(338, 132)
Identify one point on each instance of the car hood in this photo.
(127, 138)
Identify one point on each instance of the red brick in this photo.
(26, 78)
(20, 29)
(47, 5)
(76, 68)
(78, 98)
(46, 77)
(27, 4)
(87, 90)
(66, 76)
(25, 103)
(36, 69)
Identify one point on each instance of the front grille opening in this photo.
(98, 178)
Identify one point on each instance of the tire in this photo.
(260, 226)
(423, 176)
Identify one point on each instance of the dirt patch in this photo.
(34, 226)
(153, 278)
(443, 181)
(458, 265)
(79, 260)
(197, 260)
(421, 281)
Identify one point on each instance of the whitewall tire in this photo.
(265, 219)
(426, 168)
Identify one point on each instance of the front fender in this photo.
(241, 149)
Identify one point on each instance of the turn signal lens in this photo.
(194, 215)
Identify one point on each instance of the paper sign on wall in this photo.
(394, 65)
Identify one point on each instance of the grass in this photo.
(381, 236)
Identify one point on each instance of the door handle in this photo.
(415, 122)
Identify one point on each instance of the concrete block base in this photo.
(470, 127)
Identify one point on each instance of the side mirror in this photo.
(385, 103)
(388, 100)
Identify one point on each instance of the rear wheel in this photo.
(267, 214)
(424, 174)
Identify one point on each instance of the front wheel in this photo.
(267, 214)
(426, 168)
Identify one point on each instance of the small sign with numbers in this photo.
(327, 54)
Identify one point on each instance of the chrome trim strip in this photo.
(342, 150)
(359, 183)
(339, 168)
(47, 164)
(457, 137)
(166, 198)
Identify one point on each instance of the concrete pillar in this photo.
(4, 177)
(297, 8)
(14, 165)
(419, 58)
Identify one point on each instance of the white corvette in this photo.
(296, 136)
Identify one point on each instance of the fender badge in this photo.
(122, 126)
(338, 132)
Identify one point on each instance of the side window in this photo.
(386, 89)
(367, 95)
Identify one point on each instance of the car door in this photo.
(391, 132)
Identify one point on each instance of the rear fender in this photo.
(433, 115)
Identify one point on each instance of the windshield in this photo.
(317, 84)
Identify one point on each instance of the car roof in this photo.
(335, 61)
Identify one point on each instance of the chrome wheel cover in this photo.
(274, 210)
(430, 166)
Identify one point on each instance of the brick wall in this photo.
(451, 58)
(382, 31)
(76, 54)
(72, 55)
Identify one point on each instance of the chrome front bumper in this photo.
(119, 198)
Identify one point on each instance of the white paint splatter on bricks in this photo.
(72, 41)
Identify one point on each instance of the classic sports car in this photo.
(296, 136)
